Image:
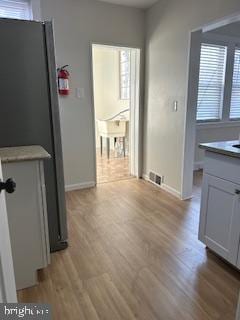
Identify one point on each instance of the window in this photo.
(235, 100)
(211, 82)
(125, 66)
(16, 9)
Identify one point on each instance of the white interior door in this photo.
(7, 279)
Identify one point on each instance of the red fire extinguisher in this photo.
(63, 81)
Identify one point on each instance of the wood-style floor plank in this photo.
(116, 168)
(134, 254)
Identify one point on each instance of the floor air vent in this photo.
(158, 180)
(153, 177)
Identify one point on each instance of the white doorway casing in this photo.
(190, 119)
(135, 114)
(135, 126)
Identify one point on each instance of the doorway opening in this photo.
(213, 109)
(116, 81)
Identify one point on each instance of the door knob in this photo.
(9, 186)
(237, 191)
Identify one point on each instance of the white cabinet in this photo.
(220, 217)
(220, 207)
(27, 215)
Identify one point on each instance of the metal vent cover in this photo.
(152, 177)
(156, 179)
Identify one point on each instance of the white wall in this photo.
(210, 133)
(78, 23)
(167, 44)
(106, 73)
(36, 10)
(106, 84)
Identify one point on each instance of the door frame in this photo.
(192, 92)
(135, 113)
(8, 293)
(135, 106)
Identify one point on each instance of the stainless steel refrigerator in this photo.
(29, 109)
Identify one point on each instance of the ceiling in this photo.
(143, 4)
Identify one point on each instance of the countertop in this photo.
(25, 153)
(222, 147)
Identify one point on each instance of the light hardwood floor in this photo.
(134, 254)
(112, 169)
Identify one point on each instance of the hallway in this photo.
(134, 254)
(112, 169)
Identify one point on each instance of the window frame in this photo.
(216, 43)
(235, 47)
(121, 87)
(35, 11)
(231, 43)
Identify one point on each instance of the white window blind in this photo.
(211, 82)
(235, 100)
(16, 9)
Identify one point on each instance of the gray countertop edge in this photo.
(23, 153)
(222, 147)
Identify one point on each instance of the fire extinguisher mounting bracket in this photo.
(63, 67)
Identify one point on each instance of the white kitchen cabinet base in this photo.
(27, 213)
(220, 217)
(28, 279)
(219, 226)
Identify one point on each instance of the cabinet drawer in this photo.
(224, 167)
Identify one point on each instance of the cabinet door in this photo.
(7, 280)
(26, 221)
(220, 217)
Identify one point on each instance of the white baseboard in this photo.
(145, 177)
(198, 165)
(80, 186)
(171, 190)
(164, 186)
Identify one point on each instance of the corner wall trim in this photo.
(145, 177)
(80, 186)
(198, 165)
(171, 190)
(164, 186)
